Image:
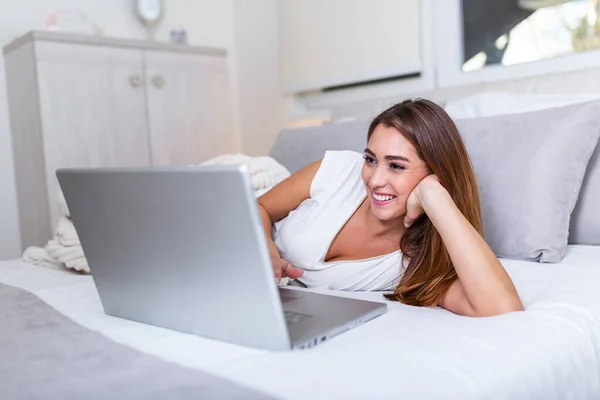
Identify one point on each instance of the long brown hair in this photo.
(434, 135)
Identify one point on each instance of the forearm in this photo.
(486, 285)
(268, 226)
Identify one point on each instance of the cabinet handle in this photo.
(158, 81)
(136, 81)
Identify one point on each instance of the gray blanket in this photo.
(45, 355)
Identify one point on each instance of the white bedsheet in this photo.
(550, 351)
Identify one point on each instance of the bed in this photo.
(550, 351)
(56, 341)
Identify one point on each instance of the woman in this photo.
(404, 216)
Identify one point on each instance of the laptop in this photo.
(184, 248)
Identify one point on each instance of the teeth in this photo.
(382, 198)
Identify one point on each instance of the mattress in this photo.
(549, 351)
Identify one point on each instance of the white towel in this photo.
(64, 249)
(265, 172)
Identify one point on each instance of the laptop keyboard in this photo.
(294, 317)
(289, 295)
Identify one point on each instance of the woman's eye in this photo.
(369, 160)
(397, 167)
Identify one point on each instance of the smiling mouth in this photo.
(381, 200)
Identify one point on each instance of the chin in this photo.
(385, 215)
(388, 212)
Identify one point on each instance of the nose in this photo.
(378, 178)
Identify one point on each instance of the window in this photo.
(521, 31)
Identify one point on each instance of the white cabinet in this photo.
(91, 116)
(184, 126)
(78, 101)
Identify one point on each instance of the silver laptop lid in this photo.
(179, 247)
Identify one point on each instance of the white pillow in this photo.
(486, 104)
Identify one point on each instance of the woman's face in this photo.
(391, 171)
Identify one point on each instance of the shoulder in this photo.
(343, 156)
(337, 168)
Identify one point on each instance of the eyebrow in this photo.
(388, 157)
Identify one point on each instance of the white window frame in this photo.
(447, 23)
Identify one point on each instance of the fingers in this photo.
(277, 271)
(283, 268)
(413, 208)
(411, 217)
(412, 213)
(292, 272)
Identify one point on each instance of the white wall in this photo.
(314, 107)
(337, 42)
(208, 22)
(256, 53)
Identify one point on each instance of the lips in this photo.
(381, 199)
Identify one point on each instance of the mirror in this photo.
(149, 11)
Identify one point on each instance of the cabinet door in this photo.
(189, 107)
(92, 105)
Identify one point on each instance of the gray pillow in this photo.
(298, 147)
(530, 168)
(585, 220)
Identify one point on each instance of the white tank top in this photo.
(303, 238)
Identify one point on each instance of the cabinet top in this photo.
(77, 38)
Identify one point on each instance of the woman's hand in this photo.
(283, 268)
(483, 287)
(414, 203)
